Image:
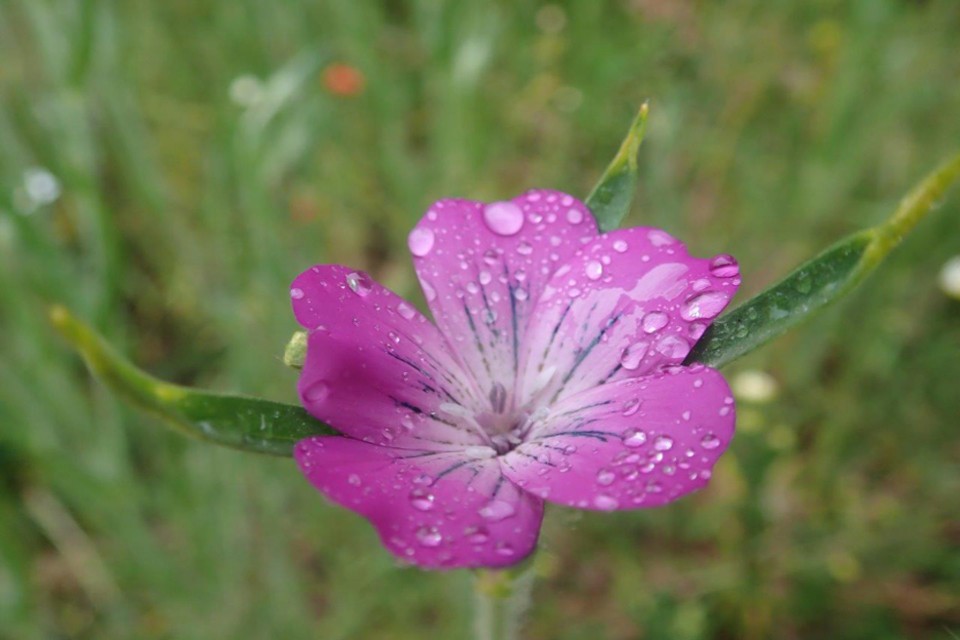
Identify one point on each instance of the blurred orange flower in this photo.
(342, 79)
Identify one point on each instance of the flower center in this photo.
(501, 424)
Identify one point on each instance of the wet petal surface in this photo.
(376, 369)
(483, 266)
(627, 304)
(437, 510)
(639, 442)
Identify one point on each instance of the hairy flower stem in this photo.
(501, 600)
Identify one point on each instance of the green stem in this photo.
(502, 598)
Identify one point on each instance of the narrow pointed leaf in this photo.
(250, 424)
(820, 281)
(611, 197)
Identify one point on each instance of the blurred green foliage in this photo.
(205, 152)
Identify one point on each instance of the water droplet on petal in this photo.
(353, 480)
(724, 266)
(421, 500)
(704, 305)
(485, 277)
(360, 283)
(660, 238)
(710, 441)
(620, 246)
(574, 216)
(317, 392)
(423, 480)
(497, 510)
(406, 311)
(594, 270)
(654, 321)
(524, 248)
(633, 355)
(605, 502)
(673, 347)
(296, 293)
(476, 535)
(605, 477)
(429, 536)
(654, 487)
(631, 406)
(490, 256)
(505, 549)
(520, 294)
(634, 437)
(420, 241)
(503, 218)
(663, 443)
(428, 291)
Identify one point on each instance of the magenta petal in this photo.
(482, 267)
(628, 303)
(439, 511)
(376, 369)
(640, 442)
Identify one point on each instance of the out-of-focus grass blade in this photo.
(611, 197)
(250, 424)
(820, 281)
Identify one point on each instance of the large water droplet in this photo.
(710, 441)
(485, 277)
(296, 293)
(421, 500)
(654, 321)
(704, 305)
(660, 238)
(634, 437)
(594, 270)
(605, 502)
(497, 510)
(360, 283)
(633, 355)
(724, 266)
(420, 241)
(429, 536)
(503, 218)
(317, 392)
(406, 311)
(574, 216)
(605, 477)
(663, 443)
(673, 347)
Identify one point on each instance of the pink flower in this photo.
(553, 374)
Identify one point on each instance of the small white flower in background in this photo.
(950, 277)
(754, 386)
(39, 188)
(246, 91)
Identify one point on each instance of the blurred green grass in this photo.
(202, 162)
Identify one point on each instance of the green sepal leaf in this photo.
(611, 197)
(240, 422)
(820, 281)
